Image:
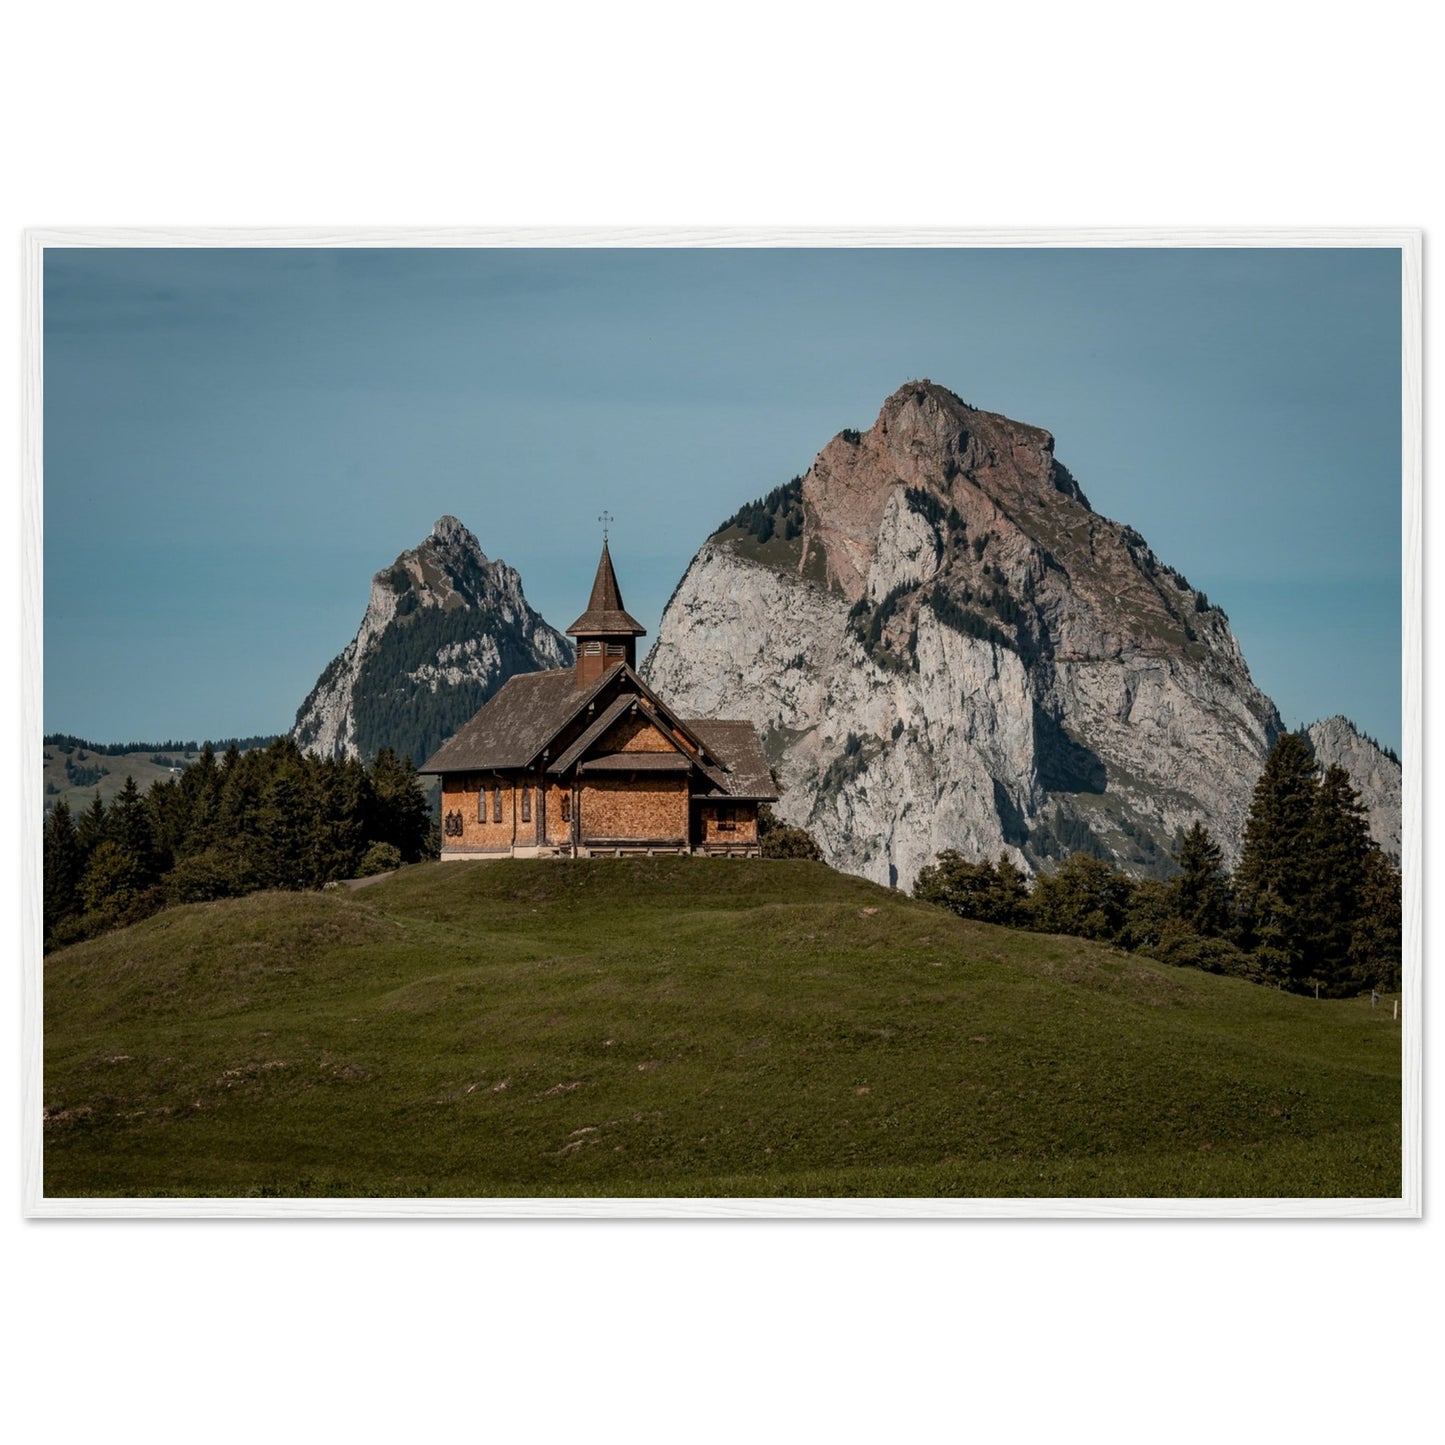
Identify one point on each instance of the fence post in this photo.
(1397, 1008)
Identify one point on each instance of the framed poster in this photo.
(1002, 799)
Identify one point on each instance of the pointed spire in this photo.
(606, 594)
(605, 615)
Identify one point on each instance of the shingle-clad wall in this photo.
(634, 735)
(460, 794)
(744, 817)
(558, 831)
(652, 808)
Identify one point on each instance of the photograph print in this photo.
(750, 727)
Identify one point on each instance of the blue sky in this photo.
(235, 440)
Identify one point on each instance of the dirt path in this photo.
(355, 883)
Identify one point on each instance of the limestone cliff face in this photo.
(945, 646)
(443, 629)
(1375, 774)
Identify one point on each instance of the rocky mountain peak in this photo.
(451, 533)
(993, 475)
(948, 647)
(1374, 772)
(444, 627)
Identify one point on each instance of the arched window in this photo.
(526, 805)
(497, 804)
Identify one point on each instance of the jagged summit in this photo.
(1375, 773)
(946, 646)
(922, 420)
(443, 629)
(1339, 726)
(450, 532)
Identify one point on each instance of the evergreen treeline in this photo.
(779, 513)
(84, 775)
(1313, 906)
(393, 702)
(68, 742)
(274, 817)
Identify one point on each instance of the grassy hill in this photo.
(103, 773)
(685, 1027)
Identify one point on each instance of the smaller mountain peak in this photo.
(450, 532)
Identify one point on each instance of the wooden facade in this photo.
(587, 760)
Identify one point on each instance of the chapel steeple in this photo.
(606, 632)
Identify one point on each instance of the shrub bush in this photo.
(779, 840)
(379, 858)
(1184, 948)
(223, 871)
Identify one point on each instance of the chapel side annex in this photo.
(588, 761)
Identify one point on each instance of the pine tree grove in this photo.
(1314, 905)
(273, 817)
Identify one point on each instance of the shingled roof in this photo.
(737, 746)
(529, 710)
(605, 615)
(515, 724)
(637, 763)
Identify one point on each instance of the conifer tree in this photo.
(1377, 939)
(1338, 845)
(166, 812)
(1201, 893)
(397, 813)
(200, 791)
(128, 825)
(63, 866)
(1274, 881)
(336, 841)
(243, 782)
(286, 859)
(90, 828)
(112, 878)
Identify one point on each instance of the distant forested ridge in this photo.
(68, 742)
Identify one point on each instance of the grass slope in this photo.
(78, 798)
(685, 1027)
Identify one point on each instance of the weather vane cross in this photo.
(607, 519)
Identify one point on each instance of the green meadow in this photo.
(685, 1027)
